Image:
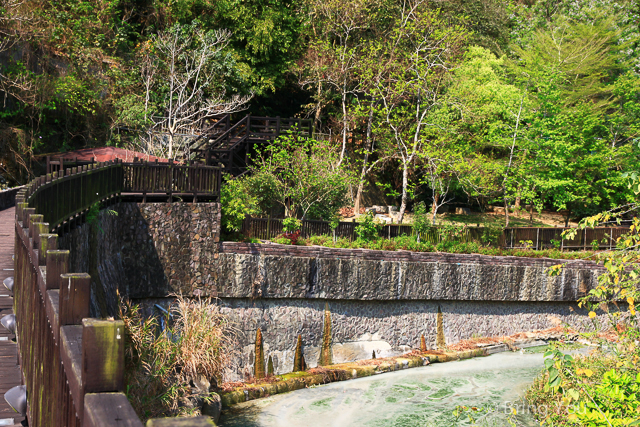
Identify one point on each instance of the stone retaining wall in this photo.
(284, 271)
(389, 328)
(144, 250)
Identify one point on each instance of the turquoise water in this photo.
(422, 397)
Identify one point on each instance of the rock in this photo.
(213, 408)
(392, 209)
(384, 218)
(463, 211)
(441, 209)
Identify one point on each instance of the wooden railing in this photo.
(73, 365)
(509, 238)
(60, 198)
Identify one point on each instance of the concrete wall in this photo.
(386, 327)
(279, 271)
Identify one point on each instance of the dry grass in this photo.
(196, 342)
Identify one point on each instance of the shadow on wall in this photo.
(144, 250)
(117, 251)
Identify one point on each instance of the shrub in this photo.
(282, 240)
(164, 354)
(367, 229)
(421, 223)
(290, 225)
(236, 203)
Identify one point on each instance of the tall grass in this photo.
(165, 355)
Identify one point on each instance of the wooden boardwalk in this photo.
(9, 368)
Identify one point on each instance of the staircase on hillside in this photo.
(229, 146)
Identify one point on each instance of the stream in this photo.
(425, 396)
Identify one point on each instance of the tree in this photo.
(187, 66)
(304, 176)
(339, 30)
(407, 70)
(577, 150)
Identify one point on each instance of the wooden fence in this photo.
(548, 238)
(268, 228)
(509, 238)
(73, 366)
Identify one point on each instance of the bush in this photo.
(367, 229)
(237, 203)
(289, 225)
(421, 223)
(164, 354)
(282, 240)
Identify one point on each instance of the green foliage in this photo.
(421, 221)
(604, 386)
(237, 203)
(367, 229)
(290, 225)
(282, 240)
(303, 176)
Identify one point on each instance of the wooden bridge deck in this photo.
(9, 368)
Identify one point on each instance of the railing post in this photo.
(102, 355)
(75, 293)
(170, 180)
(57, 265)
(46, 242)
(31, 223)
(610, 238)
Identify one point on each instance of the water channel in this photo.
(425, 396)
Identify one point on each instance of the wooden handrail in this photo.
(73, 366)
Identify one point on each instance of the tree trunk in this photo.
(369, 145)
(316, 121)
(405, 184)
(344, 123)
(531, 214)
(356, 207)
(170, 145)
(506, 212)
(566, 218)
(434, 207)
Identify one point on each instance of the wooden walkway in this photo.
(9, 368)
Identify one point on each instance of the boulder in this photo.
(213, 407)
(463, 211)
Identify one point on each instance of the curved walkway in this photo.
(9, 368)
